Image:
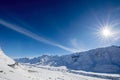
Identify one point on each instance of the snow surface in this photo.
(11, 70)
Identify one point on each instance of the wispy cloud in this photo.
(77, 45)
(33, 35)
(74, 43)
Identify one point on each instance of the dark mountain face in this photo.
(106, 60)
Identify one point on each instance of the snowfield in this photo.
(61, 73)
(11, 70)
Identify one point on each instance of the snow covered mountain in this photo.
(103, 60)
(11, 70)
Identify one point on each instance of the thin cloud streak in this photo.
(78, 45)
(33, 35)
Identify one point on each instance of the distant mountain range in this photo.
(103, 60)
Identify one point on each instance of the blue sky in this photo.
(67, 23)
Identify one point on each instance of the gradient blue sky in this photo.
(70, 23)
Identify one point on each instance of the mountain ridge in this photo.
(104, 60)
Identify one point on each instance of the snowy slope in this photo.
(104, 60)
(5, 59)
(10, 70)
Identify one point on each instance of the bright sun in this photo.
(106, 32)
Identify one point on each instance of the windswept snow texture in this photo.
(102, 60)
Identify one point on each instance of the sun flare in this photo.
(106, 32)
